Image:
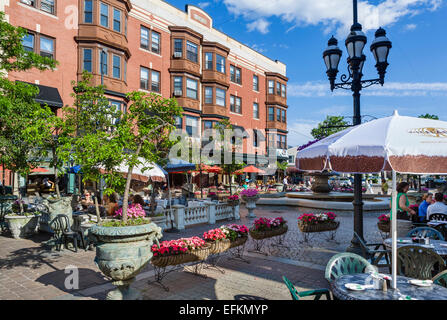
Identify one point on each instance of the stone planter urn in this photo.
(250, 204)
(22, 226)
(55, 206)
(121, 253)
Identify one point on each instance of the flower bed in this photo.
(310, 222)
(268, 227)
(180, 251)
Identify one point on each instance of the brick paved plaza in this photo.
(30, 271)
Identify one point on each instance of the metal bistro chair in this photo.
(418, 262)
(297, 295)
(441, 279)
(426, 232)
(375, 255)
(346, 263)
(442, 227)
(63, 232)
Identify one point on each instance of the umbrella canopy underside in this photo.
(403, 144)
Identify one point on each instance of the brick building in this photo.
(152, 46)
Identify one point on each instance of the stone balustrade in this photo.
(208, 212)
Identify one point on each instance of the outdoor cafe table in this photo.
(404, 289)
(440, 247)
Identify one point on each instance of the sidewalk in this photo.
(28, 271)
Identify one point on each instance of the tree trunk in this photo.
(153, 204)
(56, 175)
(126, 190)
(229, 181)
(95, 199)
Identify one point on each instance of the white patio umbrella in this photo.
(156, 173)
(399, 144)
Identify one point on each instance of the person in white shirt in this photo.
(438, 206)
(285, 181)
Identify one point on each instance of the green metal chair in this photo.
(426, 232)
(297, 295)
(418, 262)
(347, 263)
(441, 278)
(375, 255)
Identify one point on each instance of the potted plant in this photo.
(106, 140)
(384, 223)
(217, 238)
(233, 200)
(237, 234)
(310, 222)
(268, 227)
(184, 250)
(250, 196)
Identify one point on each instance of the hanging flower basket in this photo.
(238, 242)
(190, 256)
(384, 226)
(219, 246)
(259, 235)
(320, 227)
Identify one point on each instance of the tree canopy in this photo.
(330, 125)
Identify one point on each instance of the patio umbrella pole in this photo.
(170, 210)
(394, 232)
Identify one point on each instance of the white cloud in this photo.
(299, 131)
(333, 15)
(260, 25)
(390, 89)
(410, 27)
(203, 5)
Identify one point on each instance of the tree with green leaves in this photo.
(282, 167)
(22, 119)
(90, 136)
(228, 168)
(144, 133)
(429, 116)
(330, 125)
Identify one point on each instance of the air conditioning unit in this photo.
(178, 93)
(177, 54)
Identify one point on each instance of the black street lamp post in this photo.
(355, 42)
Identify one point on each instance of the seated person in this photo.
(110, 204)
(86, 199)
(47, 184)
(137, 199)
(438, 206)
(423, 206)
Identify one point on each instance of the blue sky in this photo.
(296, 32)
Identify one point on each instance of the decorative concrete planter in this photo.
(250, 204)
(121, 253)
(22, 226)
(55, 206)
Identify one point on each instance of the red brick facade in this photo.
(141, 39)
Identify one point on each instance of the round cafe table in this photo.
(404, 289)
(440, 247)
